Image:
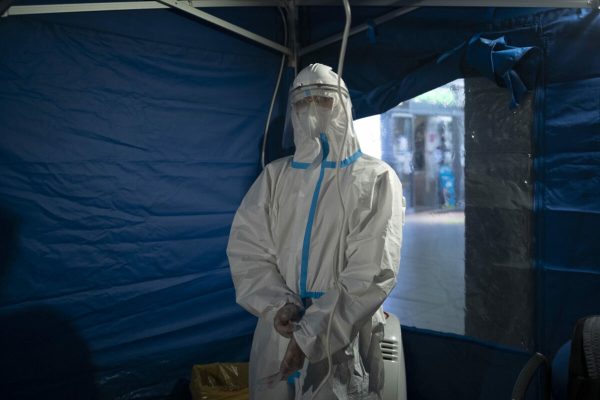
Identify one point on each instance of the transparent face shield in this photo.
(311, 111)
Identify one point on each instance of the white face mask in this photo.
(314, 115)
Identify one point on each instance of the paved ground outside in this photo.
(430, 292)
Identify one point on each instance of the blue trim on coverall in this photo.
(313, 208)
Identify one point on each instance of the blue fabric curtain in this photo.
(567, 166)
(509, 66)
(123, 159)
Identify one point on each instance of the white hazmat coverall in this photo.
(284, 243)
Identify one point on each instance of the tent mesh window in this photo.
(464, 157)
(499, 278)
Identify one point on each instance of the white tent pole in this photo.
(186, 7)
(82, 7)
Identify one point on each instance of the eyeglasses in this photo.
(321, 101)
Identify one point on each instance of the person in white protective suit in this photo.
(284, 254)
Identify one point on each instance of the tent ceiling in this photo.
(192, 7)
(354, 3)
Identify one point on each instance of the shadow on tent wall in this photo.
(43, 357)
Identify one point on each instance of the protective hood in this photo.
(316, 112)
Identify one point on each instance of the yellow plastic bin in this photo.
(220, 381)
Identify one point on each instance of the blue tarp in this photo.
(568, 178)
(128, 139)
(122, 164)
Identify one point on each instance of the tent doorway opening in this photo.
(422, 139)
(464, 158)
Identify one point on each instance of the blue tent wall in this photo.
(568, 177)
(127, 142)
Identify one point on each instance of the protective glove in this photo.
(293, 360)
(286, 318)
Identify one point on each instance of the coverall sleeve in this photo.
(259, 287)
(372, 260)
